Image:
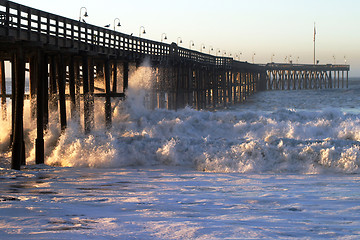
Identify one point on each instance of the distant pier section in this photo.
(70, 64)
(280, 76)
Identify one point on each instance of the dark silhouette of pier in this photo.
(65, 57)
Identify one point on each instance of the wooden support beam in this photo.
(33, 85)
(108, 120)
(125, 76)
(18, 154)
(77, 88)
(3, 90)
(53, 83)
(13, 94)
(74, 112)
(87, 114)
(90, 97)
(46, 90)
(61, 84)
(115, 75)
(40, 101)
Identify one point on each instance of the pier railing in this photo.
(29, 24)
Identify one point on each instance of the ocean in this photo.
(282, 165)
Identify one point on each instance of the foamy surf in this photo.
(245, 139)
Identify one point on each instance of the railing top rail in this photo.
(307, 66)
(17, 10)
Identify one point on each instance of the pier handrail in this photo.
(29, 24)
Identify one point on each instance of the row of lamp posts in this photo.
(163, 36)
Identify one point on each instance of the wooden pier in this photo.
(65, 58)
(296, 77)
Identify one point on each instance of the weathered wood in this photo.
(53, 83)
(3, 90)
(40, 101)
(18, 138)
(74, 113)
(61, 84)
(115, 75)
(108, 120)
(125, 75)
(33, 85)
(90, 98)
(87, 114)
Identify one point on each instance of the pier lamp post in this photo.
(253, 58)
(142, 32)
(118, 25)
(272, 58)
(202, 47)
(163, 37)
(179, 40)
(334, 59)
(224, 53)
(240, 56)
(211, 49)
(191, 44)
(85, 14)
(217, 51)
(345, 59)
(297, 60)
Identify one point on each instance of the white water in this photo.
(283, 165)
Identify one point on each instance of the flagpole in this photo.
(314, 44)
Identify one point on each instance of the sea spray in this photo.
(248, 138)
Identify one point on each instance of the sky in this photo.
(259, 29)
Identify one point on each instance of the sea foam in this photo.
(243, 139)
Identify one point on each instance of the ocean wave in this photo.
(241, 139)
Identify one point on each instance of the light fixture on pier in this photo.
(202, 47)
(191, 44)
(272, 58)
(118, 25)
(211, 49)
(179, 40)
(85, 14)
(163, 37)
(218, 51)
(253, 58)
(240, 56)
(143, 32)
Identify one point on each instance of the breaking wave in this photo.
(243, 139)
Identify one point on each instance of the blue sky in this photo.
(263, 27)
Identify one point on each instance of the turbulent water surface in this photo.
(283, 165)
